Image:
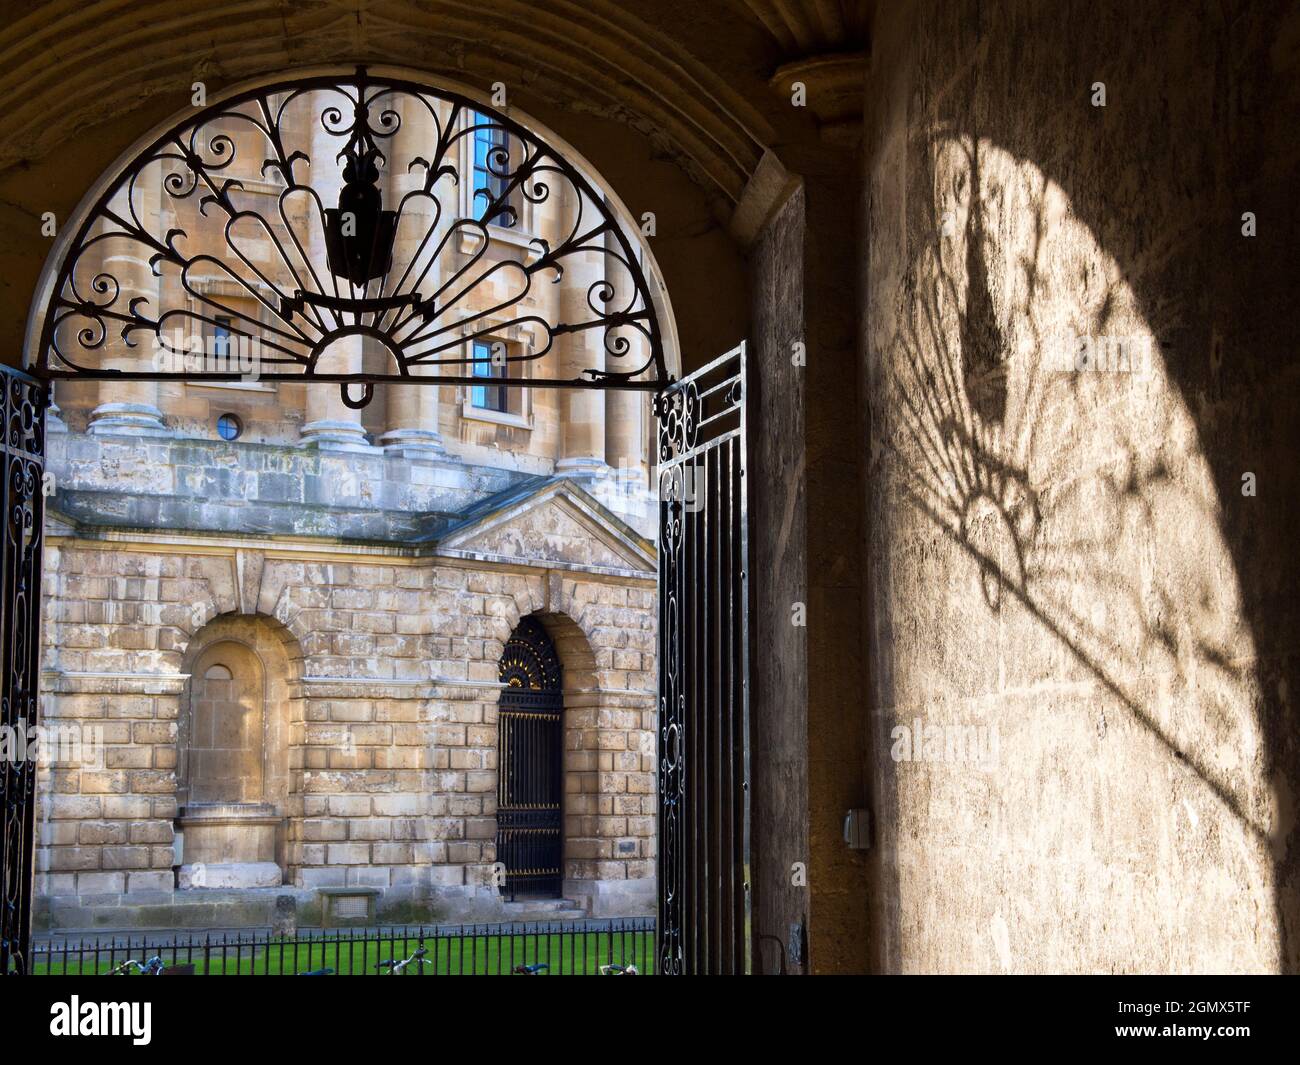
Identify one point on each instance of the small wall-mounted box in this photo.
(347, 905)
(857, 830)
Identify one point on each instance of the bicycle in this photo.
(152, 967)
(395, 967)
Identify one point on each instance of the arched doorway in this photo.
(530, 777)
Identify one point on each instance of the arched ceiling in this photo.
(805, 28)
(674, 102)
(693, 80)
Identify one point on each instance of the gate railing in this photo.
(534, 948)
(22, 487)
(704, 890)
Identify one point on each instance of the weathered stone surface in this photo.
(1061, 552)
(375, 731)
(225, 875)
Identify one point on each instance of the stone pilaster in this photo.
(582, 410)
(412, 424)
(131, 407)
(330, 424)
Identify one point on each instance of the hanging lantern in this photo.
(359, 233)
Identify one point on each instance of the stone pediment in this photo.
(58, 524)
(557, 524)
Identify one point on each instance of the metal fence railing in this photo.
(543, 948)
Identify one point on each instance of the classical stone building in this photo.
(289, 620)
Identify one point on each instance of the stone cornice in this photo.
(77, 682)
(322, 549)
(835, 86)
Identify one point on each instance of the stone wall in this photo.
(778, 706)
(1064, 566)
(807, 539)
(389, 705)
(273, 489)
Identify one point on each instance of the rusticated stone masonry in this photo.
(377, 756)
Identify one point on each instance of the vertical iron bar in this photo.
(743, 490)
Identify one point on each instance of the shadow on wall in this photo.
(1081, 606)
(1081, 565)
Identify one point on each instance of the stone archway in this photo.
(609, 803)
(607, 235)
(622, 113)
(609, 736)
(644, 853)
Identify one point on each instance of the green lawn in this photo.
(574, 953)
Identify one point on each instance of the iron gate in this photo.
(530, 752)
(22, 415)
(704, 889)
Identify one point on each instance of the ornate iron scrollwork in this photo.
(230, 207)
(529, 660)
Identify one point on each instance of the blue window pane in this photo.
(221, 337)
(229, 427)
(486, 397)
(488, 183)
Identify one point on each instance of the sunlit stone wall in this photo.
(378, 764)
(1079, 757)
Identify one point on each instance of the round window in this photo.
(229, 427)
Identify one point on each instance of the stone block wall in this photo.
(387, 702)
(1065, 552)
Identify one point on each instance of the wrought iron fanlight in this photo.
(224, 220)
